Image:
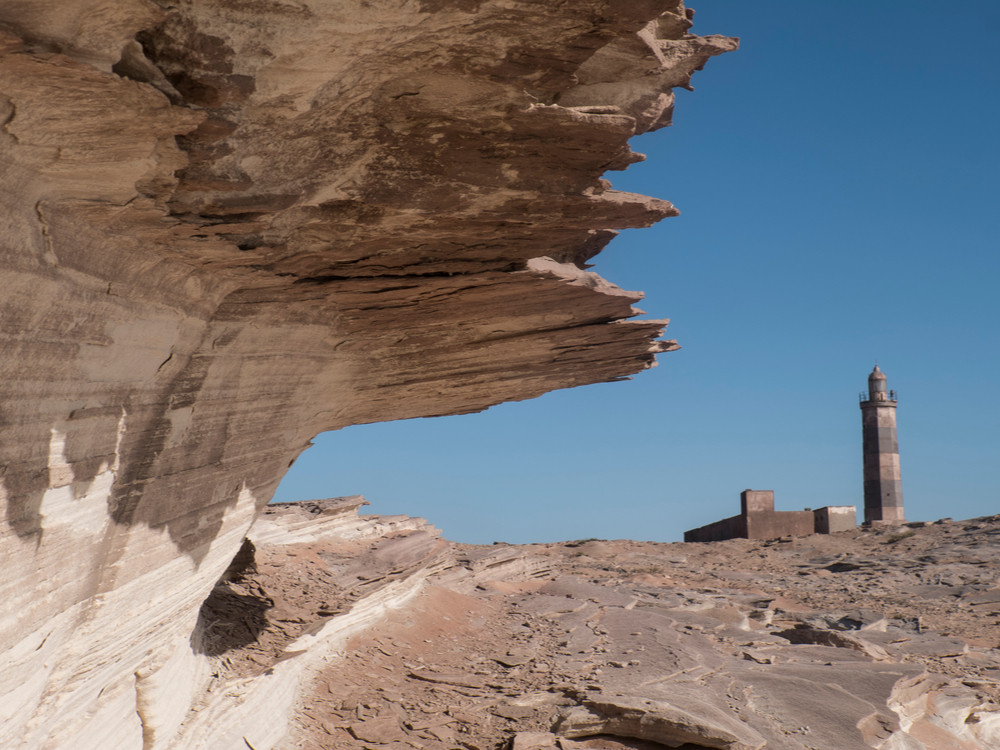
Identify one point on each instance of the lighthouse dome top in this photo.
(878, 389)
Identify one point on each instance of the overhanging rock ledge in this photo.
(230, 226)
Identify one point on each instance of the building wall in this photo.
(734, 527)
(834, 518)
(756, 501)
(766, 525)
(759, 520)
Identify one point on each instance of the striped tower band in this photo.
(883, 488)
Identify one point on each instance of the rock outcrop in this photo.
(230, 226)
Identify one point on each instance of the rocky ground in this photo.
(882, 638)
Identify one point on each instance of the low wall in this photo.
(728, 528)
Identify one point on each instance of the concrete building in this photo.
(883, 487)
(834, 518)
(759, 520)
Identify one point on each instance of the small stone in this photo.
(533, 741)
(380, 730)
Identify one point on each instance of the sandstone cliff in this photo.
(228, 226)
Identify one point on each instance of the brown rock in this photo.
(658, 721)
(513, 712)
(533, 741)
(380, 730)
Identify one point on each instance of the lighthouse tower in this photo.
(883, 490)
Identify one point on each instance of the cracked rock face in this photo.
(228, 226)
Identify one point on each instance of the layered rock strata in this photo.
(230, 226)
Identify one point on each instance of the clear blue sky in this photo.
(838, 182)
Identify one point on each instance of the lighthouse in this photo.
(883, 489)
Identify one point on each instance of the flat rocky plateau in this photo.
(883, 638)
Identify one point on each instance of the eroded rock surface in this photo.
(627, 645)
(227, 227)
